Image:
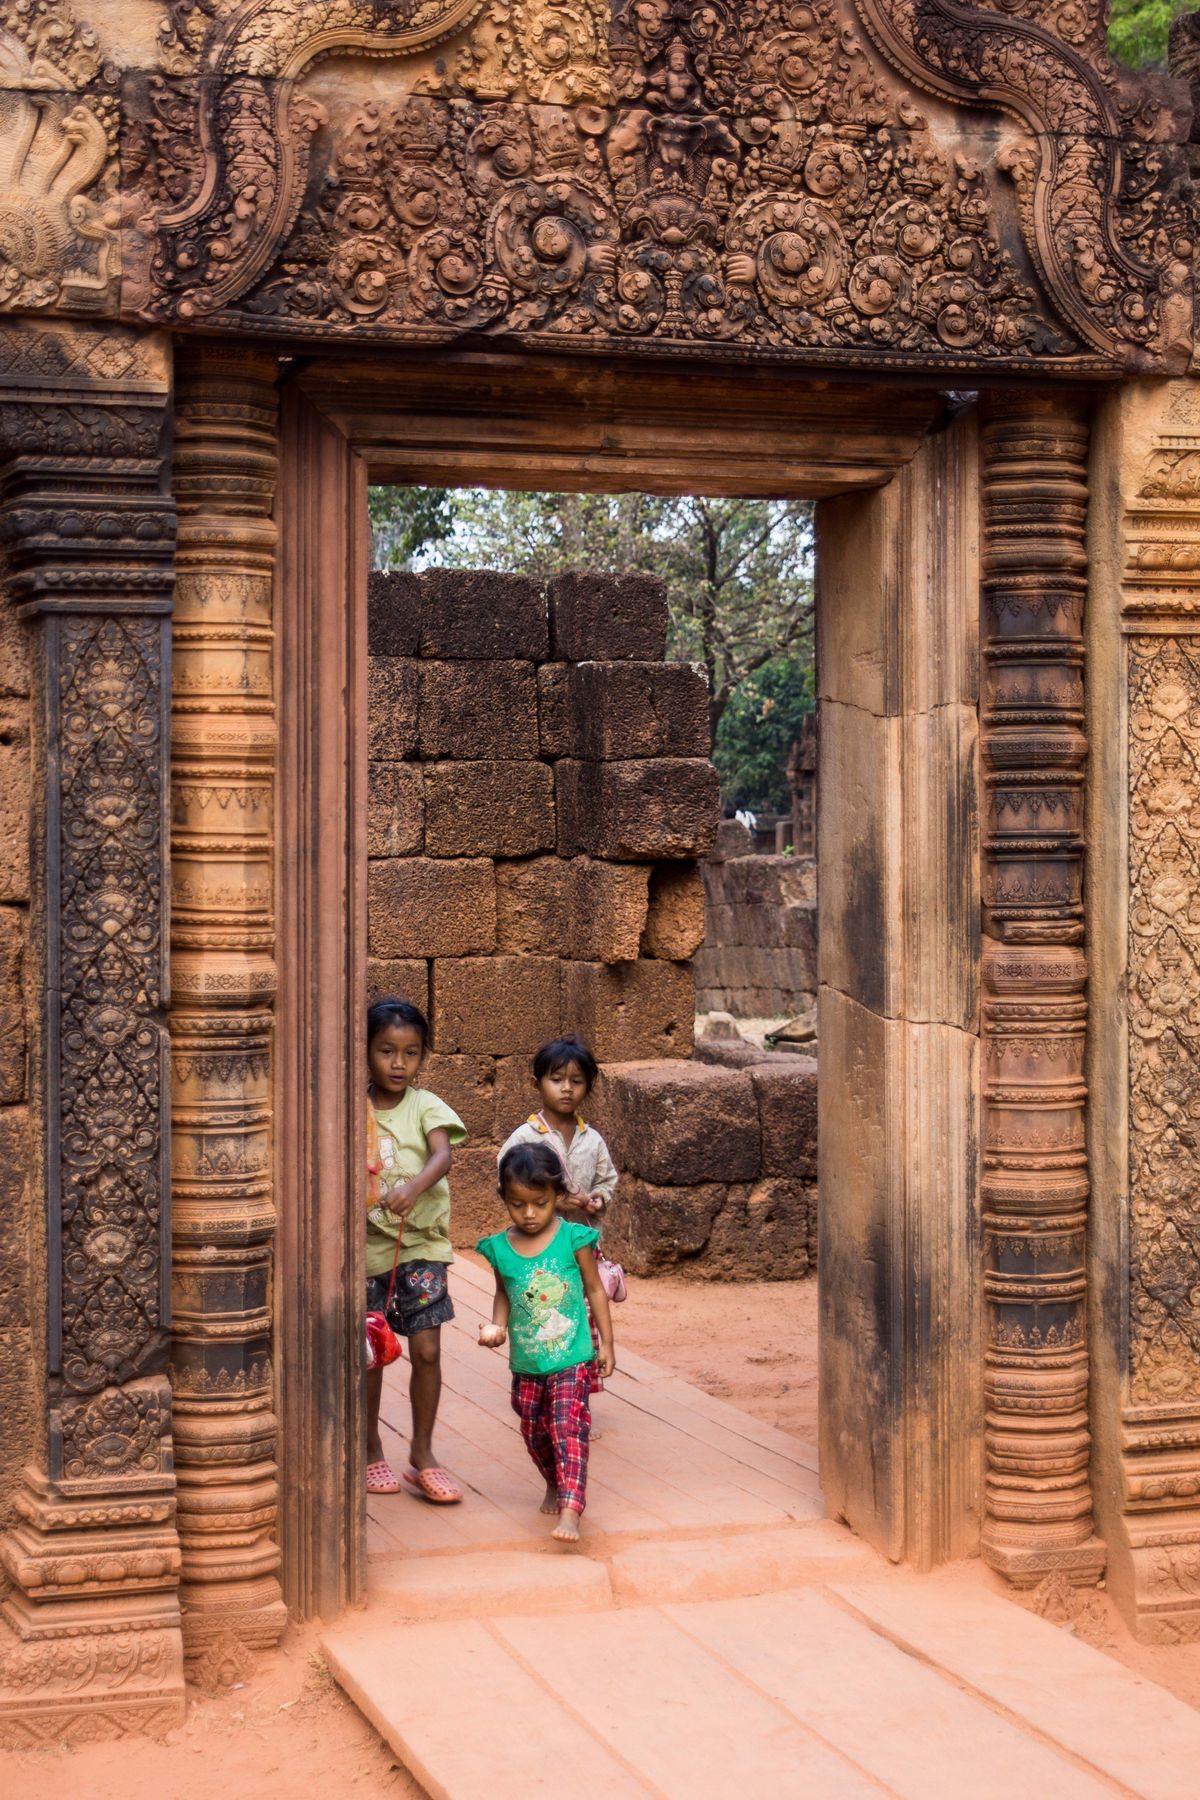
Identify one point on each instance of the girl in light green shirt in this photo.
(409, 1137)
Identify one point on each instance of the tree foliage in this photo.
(757, 731)
(1138, 30)
(738, 572)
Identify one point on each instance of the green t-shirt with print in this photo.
(548, 1327)
(403, 1152)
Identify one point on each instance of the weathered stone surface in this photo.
(652, 1230)
(398, 978)
(392, 703)
(607, 910)
(554, 717)
(787, 1113)
(584, 910)
(759, 956)
(741, 1055)
(497, 1005)
(14, 652)
(627, 1012)
(475, 1208)
(394, 602)
(14, 800)
(636, 811)
(732, 840)
(488, 808)
(474, 710)
(515, 1094)
(20, 1378)
(395, 809)
(675, 920)
(683, 1123)
(15, 1202)
(13, 926)
(605, 618)
(467, 1084)
(533, 905)
(765, 1233)
(617, 710)
(483, 615)
(426, 906)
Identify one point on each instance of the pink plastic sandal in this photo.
(437, 1485)
(381, 1479)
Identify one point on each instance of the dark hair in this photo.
(386, 1013)
(534, 1166)
(558, 1053)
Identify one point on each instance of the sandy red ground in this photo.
(291, 1733)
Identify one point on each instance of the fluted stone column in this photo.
(1038, 1521)
(222, 938)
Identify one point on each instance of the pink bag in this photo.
(612, 1278)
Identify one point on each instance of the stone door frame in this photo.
(906, 481)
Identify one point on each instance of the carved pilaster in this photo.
(89, 1639)
(222, 936)
(1146, 1063)
(1035, 1177)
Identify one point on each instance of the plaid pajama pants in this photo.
(556, 1425)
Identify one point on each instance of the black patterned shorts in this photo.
(421, 1298)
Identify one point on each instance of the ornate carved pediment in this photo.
(873, 182)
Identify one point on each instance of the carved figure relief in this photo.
(662, 174)
(59, 242)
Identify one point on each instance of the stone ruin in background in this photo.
(540, 792)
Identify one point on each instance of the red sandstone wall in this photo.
(759, 956)
(20, 1370)
(540, 788)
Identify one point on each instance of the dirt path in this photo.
(751, 1343)
(290, 1734)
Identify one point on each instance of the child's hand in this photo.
(400, 1200)
(492, 1336)
(608, 1361)
(596, 1204)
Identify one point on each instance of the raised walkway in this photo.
(712, 1633)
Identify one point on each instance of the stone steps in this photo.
(926, 1690)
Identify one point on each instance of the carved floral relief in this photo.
(1164, 1017)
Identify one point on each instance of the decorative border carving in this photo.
(1035, 1176)
(1160, 1415)
(88, 533)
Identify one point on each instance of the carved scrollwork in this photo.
(1076, 185)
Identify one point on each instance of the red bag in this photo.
(382, 1344)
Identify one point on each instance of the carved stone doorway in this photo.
(902, 1434)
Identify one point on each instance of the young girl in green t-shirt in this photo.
(546, 1278)
(409, 1137)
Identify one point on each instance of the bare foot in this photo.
(567, 1529)
(550, 1503)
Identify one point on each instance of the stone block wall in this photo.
(539, 791)
(21, 1370)
(718, 1168)
(759, 956)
